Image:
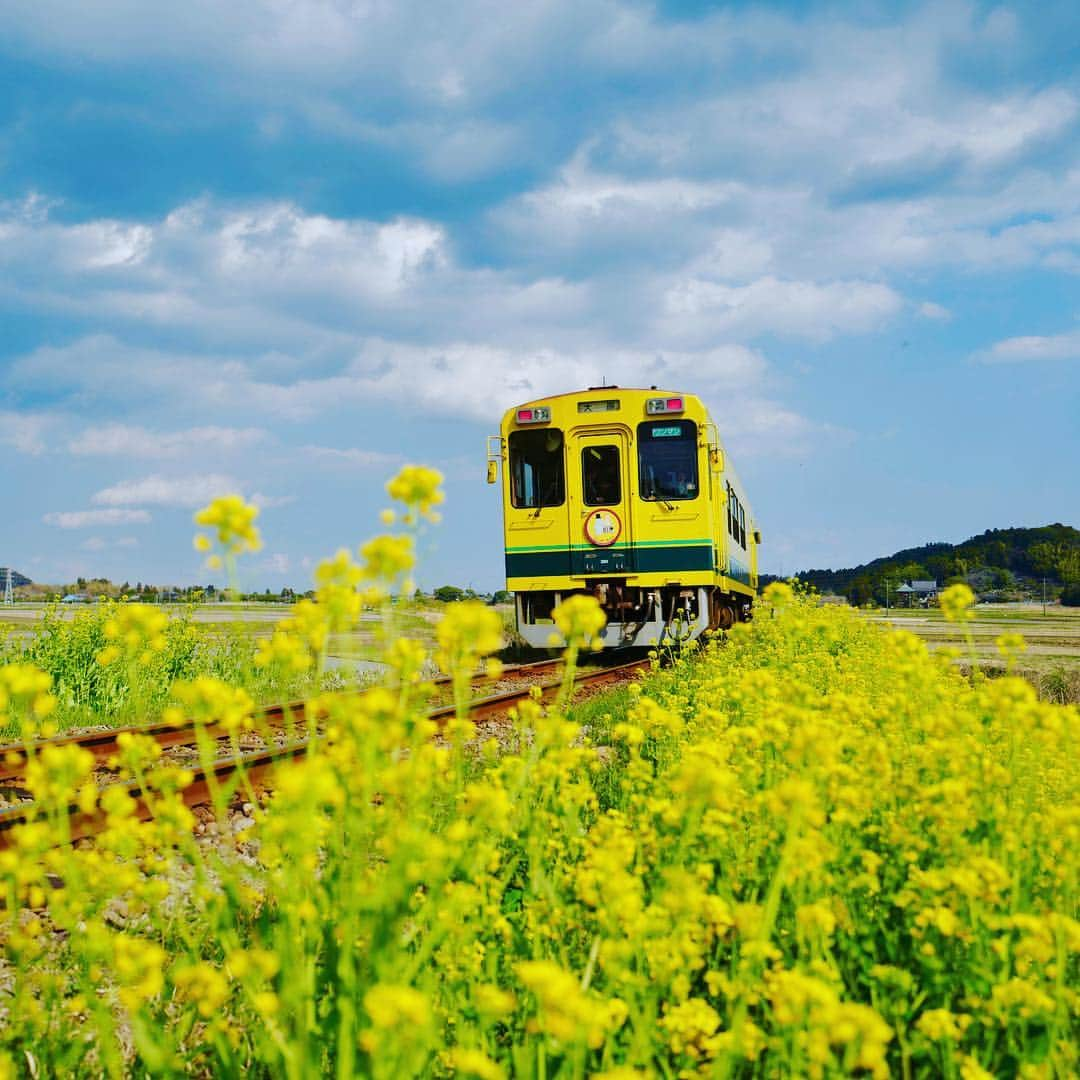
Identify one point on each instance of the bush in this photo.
(88, 692)
(1070, 595)
(449, 594)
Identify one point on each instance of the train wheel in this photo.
(723, 617)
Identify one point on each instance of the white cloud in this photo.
(480, 382)
(275, 563)
(929, 310)
(175, 491)
(351, 457)
(101, 543)
(103, 245)
(1035, 347)
(268, 277)
(24, 432)
(588, 207)
(800, 309)
(463, 380)
(269, 502)
(81, 519)
(122, 440)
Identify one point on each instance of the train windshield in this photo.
(668, 460)
(537, 473)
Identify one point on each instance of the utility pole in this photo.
(9, 595)
(886, 596)
(1044, 597)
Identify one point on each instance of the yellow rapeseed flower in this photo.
(419, 488)
(203, 985)
(1008, 644)
(390, 1006)
(25, 694)
(580, 620)
(135, 632)
(212, 701)
(956, 603)
(233, 522)
(469, 630)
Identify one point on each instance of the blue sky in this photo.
(282, 248)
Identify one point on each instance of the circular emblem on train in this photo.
(602, 528)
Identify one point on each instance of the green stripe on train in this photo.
(614, 547)
(651, 560)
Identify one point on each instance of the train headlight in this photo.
(656, 405)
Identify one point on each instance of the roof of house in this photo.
(924, 586)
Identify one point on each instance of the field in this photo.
(359, 643)
(1051, 656)
(810, 848)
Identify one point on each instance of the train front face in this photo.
(609, 492)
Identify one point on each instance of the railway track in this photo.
(257, 766)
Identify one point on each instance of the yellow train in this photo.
(626, 494)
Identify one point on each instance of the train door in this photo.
(600, 521)
(537, 540)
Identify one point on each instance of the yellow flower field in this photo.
(809, 849)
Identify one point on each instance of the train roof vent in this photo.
(609, 386)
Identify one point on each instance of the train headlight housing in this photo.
(654, 406)
(540, 414)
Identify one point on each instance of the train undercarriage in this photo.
(638, 616)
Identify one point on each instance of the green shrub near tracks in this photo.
(90, 693)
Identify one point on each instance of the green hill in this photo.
(999, 564)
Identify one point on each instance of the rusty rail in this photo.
(104, 745)
(258, 765)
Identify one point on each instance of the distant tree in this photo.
(938, 567)
(861, 592)
(502, 596)
(448, 593)
(1070, 595)
(910, 571)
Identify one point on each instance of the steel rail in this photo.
(258, 765)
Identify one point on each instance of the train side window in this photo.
(600, 479)
(730, 511)
(537, 471)
(668, 460)
(742, 526)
